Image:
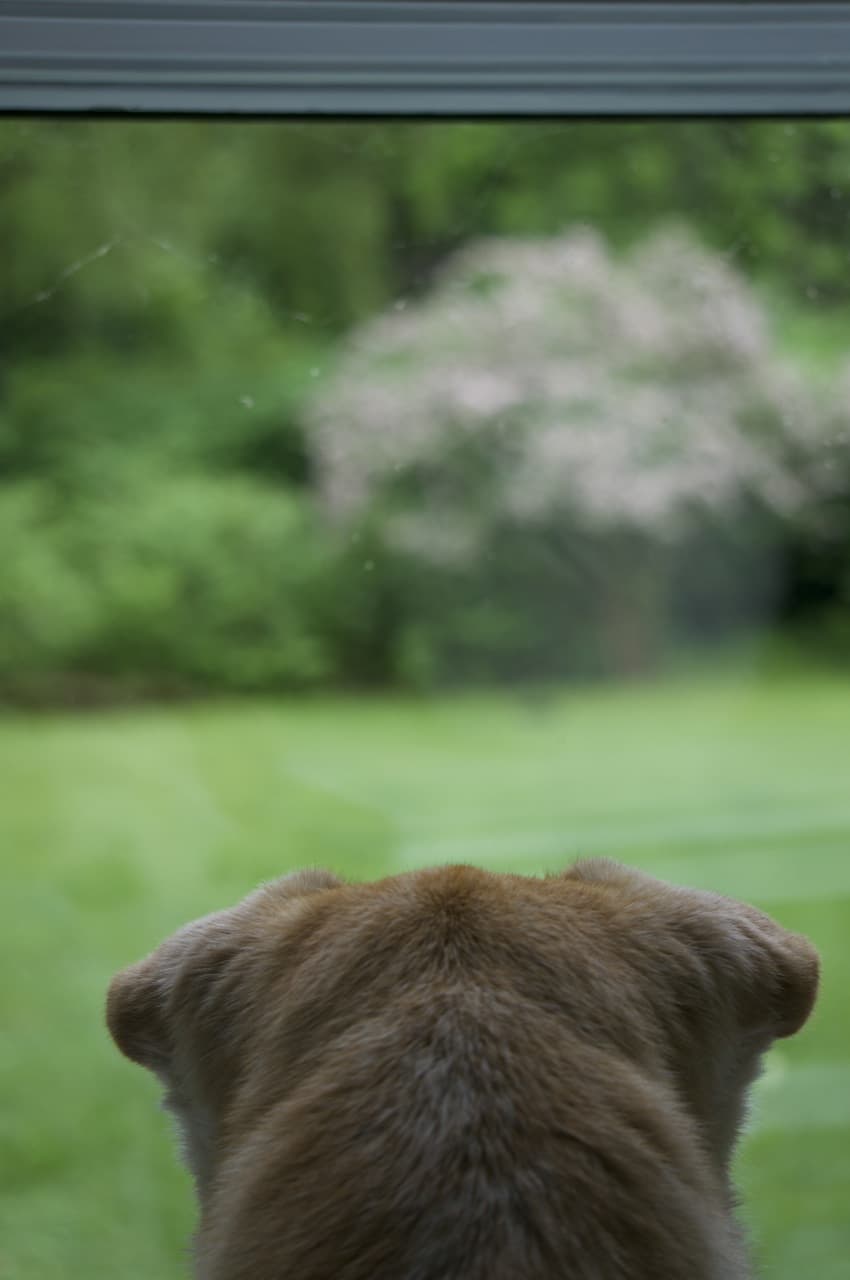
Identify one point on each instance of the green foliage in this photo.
(47, 609)
(82, 422)
(182, 583)
(203, 582)
(173, 293)
(326, 222)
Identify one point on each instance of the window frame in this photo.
(432, 58)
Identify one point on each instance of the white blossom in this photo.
(625, 389)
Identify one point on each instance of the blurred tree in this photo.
(172, 296)
(584, 455)
(325, 222)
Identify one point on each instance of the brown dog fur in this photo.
(454, 1075)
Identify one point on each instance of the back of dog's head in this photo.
(453, 1074)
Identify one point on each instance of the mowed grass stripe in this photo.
(799, 1097)
(706, 839)
(703, 760)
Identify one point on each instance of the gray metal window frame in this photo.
(424, 58)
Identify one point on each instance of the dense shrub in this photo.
(206, 582)
(192, 583)
(48, 611)
(225, 399)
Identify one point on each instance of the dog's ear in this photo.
(186, 979)
(744, 966)
(135, 1015)
(718, 953)
(141, 998)
(773, 974)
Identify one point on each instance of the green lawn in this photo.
(115, 828)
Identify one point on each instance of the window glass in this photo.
(376, 495)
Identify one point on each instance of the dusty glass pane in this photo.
(380, 495)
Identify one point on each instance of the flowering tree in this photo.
(621, 405)
(626, 389)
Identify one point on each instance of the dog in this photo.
(457, 1075)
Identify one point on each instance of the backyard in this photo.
(117, 827)
(381, 494)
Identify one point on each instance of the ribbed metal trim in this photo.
(272, 57)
